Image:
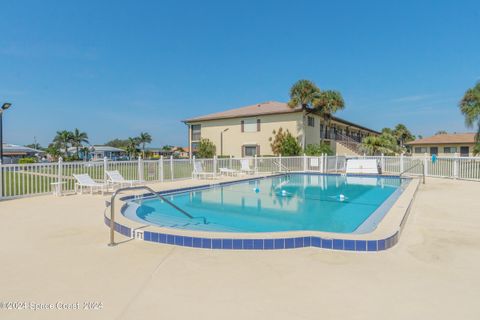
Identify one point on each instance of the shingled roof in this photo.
(446, 139)
(264, 108)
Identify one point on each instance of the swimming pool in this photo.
(292, 202)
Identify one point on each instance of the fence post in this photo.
(230, 162)
(160, 169)
(304, 162)
(382, 162)
(171, 168)
(401, 163)
(425, 164)
(140, 169)
(1, 179)
(193, 164)
(455, 166)
(214, 165)
(105, 169)
(322, 163)
(255, 164)
(280, 163)
(60, 176)
(336, 163)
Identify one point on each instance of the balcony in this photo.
(332, 135)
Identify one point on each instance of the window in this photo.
(250, 150)
(250, 125)
(450, 149)
(195, 146)
(196, 132)
(311, 121)
(464, 151)
(433, 151)
(420, 150)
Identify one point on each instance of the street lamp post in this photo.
(4, 107)
(221, 141)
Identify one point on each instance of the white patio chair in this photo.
(229, 172)
(115, 178)
(85, 181)
(246, 166)
(199, 172)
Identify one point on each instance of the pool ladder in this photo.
(111, 204)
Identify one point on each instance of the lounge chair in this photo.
(228, 172)
(115, 178)
(199, 172)
(246, 166)
(85, 181)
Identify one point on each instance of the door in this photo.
(433, 151)
(464, 151)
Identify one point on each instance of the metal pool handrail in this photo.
(418, 164)
(112, 208)
(279, 163)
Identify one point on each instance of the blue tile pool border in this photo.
(259, 243)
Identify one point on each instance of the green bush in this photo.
(318, 149)
(284, 143)
(27, 160)
(206, 149)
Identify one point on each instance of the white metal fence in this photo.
(19, 180)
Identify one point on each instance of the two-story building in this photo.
(246, 131)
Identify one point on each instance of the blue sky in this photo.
(115, 68)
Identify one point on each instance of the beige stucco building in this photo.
(246, 131)
(445, 145)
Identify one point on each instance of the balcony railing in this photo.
(196, 136)
(331, 135)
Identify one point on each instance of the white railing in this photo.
(19, 180)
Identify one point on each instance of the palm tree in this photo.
(54, 151)
(470, 107)
(132, 145)
(62, 139)
(402, 133)
(143, 139)
(328, 103)
(373, 145)
(303, 94)
(78, 138)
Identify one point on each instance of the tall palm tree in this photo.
(78, 138)
(143, 139)
(62, 139)
(328, 103)
(132, 144)
(470, 107)
(402, 133)
(303, 94)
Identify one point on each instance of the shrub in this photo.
(318, 149)
(284, 143)
(206, 149)
(27, 160)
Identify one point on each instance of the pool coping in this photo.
(383, 237)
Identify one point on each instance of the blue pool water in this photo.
(330, 203)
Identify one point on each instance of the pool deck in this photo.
(54, 249)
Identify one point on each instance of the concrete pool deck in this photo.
(54, 249)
